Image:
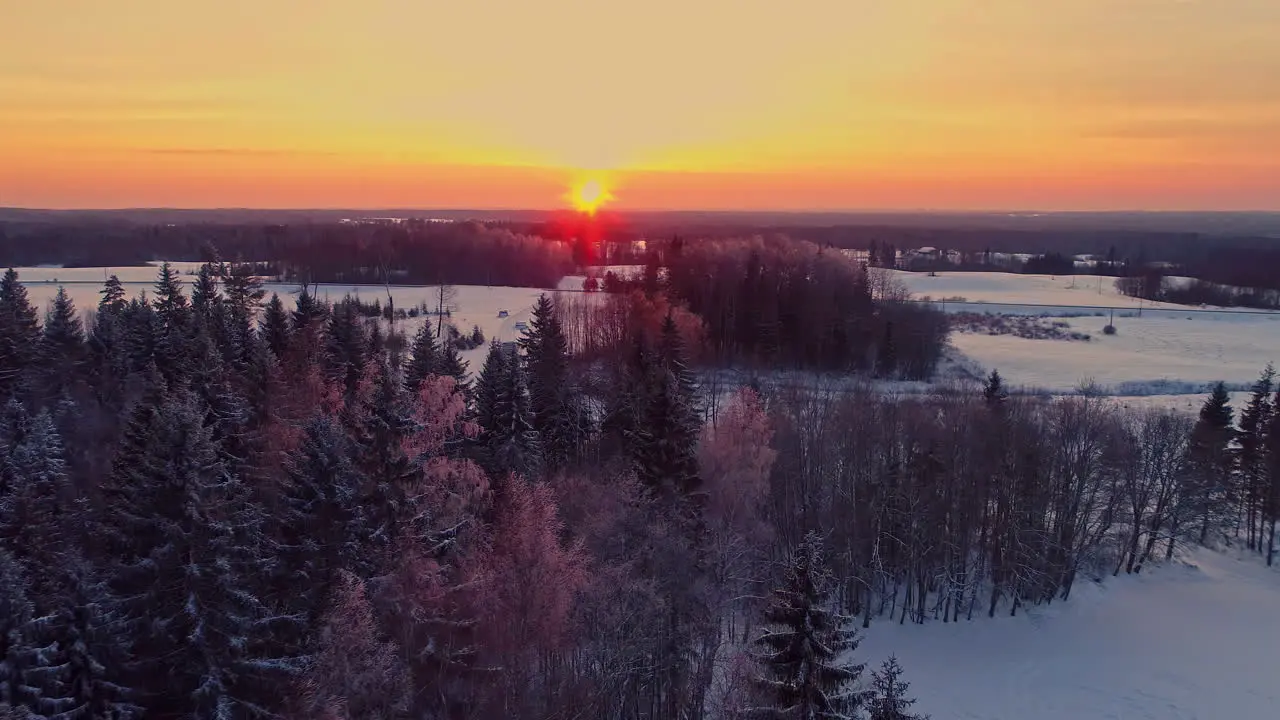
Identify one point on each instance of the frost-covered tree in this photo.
(354, 674)
(384, 426)
(347, 345)
(34, 509)
(62, 347)
(275, 329)
(1211, 464)
(82, 678)
(1251, 455)
(184, 544)
(322, 532)
(889, 699)
(806, 672)
(552, 398)
(452, 365)
(424, 360)
(667, 436)
(20, 656)
(19, 333)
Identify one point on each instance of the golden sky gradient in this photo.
(681, 104)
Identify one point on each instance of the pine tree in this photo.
(322, 531)
(19, 333)
(62, 348)
(346, 345)
(275, 329)
(388, 500)
(513, 444)
(556, 416)
(1251, 454)
(35, 509)
(171, 324)
(889, 700)
(113, 297)
(19, 655)
(667, 438)
(452, 365)
(804, 676)
(994, 391)
(425, 359)
(491, 387)
(1211, 462)
(82, 679)
(184, 543)
(1271, 504)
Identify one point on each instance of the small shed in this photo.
(503, 313)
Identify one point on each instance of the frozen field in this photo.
(1164, 349)
(1176, 643)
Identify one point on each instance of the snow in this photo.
(1178, 642)
(1061, 291)
(1158, 347)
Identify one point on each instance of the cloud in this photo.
(231, 152)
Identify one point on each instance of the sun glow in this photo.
(588, 195)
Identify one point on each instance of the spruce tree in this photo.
(275, 329)
(185, 548)
(388, 500)
(35, 508)
(1211, 462)
(492, 387)
(113, 297)
(513, 443)
(83, 678)
(171, 324)
(452, 365)
(994, 391)
(667, 437)
(804, 676)
(62, 348)
(556, 416)
(346, 345)
(425, 359)
(1251, 455)
(322, 531)
(1271, 505)
(19, 334)
(889, 699)
(19, 655)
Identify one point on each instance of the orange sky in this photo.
(683, 104)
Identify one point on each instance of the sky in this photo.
(670, 104)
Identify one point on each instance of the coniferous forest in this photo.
(215, 504)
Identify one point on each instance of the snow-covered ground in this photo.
(1158, 347)
(1176, 643)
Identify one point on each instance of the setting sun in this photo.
(589, 195)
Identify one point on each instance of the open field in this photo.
(1178, 642)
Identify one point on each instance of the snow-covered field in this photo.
(1164, 348)
(1176, 643)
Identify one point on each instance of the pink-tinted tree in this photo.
(355, 675)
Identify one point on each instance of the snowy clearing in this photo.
(1179, 642)
(1158, 347)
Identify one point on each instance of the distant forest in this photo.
(536, 250)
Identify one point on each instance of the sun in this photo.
(589, 195)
